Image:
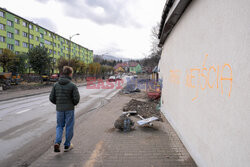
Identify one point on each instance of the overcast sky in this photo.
(117, 27)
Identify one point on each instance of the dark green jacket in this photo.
(64, 94)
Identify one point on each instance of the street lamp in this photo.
(70, 37)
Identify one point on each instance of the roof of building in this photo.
(170, 17)
(133, 64)
(126, 64)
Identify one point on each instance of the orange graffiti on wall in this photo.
(175, 76)
(200, 78)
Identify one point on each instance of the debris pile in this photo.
(124, 123)
(130, 88)
(145, 109)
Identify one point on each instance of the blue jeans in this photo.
(65, 118)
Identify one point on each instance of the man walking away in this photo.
(66, 96)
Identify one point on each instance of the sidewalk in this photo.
(97, 143)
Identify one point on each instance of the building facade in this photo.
(132, 67)
(205, 72)
(19, 35)
(135, 68)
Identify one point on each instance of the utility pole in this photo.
(70, 45)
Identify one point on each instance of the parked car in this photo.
(135, 76)
(112, 79)
(45, 77)
(54, 78)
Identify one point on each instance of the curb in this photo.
(34, 94)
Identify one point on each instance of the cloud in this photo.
(46, 23)
(102, 12)
(43, 1)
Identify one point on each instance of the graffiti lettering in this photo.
(200, 78)
(175, 76)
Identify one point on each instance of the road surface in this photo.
(28, 123)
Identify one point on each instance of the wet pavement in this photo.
(25, 121)
(98, 144)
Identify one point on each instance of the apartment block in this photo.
(19, 35)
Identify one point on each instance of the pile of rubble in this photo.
(124, 123)
(145, 109)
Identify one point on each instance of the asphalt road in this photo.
(28, 124)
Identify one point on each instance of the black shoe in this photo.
(68, 148)
(57, 148)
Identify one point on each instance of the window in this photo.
(37, 29)
(31, 26)
(41, 35)
(31, 36)
(37, 38)
(17, 20)
(9, 23)
(2, 38)
(54, 52)
(10, 35)
(58, 53)
(41, 44)
(16, 31)
(50, 51)
(49, 34)
(25, 44)
(17, 43)
(2, 14)
(54, 36)
(25, 34)
(54, 44)
(17, 53)
(10, 46)
(47, 42)
(2, 26)
(58, 45)
(66, 48)
(31, 45)
(24, 24)
(45, 32)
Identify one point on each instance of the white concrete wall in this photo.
(211, 116)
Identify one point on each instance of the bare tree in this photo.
(155, 49)
(153, 58)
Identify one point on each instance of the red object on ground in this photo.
(153, 95)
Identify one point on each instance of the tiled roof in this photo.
(126, 64)
(133, 64)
